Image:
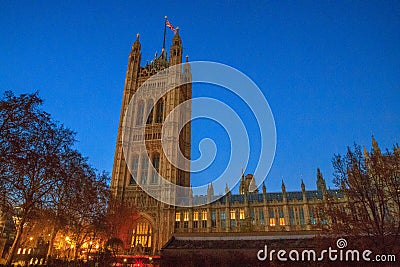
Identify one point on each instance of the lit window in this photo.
(186, 216)
(272, 221)
(204, 219)
(204, 215)
(281, 221)
(196, 216)
(178, 217)
(142, 235)
(233, 215)
(241, 214)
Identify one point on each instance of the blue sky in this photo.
(330, 70)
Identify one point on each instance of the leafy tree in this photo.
(370, 182)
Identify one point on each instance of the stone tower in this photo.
(154, 223)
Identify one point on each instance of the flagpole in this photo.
(165, 32)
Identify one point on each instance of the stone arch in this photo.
(143, 235)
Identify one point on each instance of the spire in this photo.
(176, 49)
(227, 189)
(264, 188)
(210, 190)
(303, 186)
(136, 44)
(253, 185)
(283, 186)
(321, 186)
(242, 184)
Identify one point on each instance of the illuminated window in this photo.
(281, 221)
(241, 214)
(233, 215)
(185, 219)
(271, 213)
(177, 219)
(233, 218)
(281, 214)
(142, 235)
(196, 219)
(204, 215)
(204, 219)
(271, 221)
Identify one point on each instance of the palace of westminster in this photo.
(254, 209)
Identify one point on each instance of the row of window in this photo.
(276, 217)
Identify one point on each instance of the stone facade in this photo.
(248, 211)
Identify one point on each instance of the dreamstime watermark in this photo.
(136, 132)
(330, 254)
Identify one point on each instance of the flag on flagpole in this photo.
(169, 25)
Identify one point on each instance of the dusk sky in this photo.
(330, 70)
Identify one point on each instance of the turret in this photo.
(135, 51)
(242, 185)
(321, 185)
(283, 191)
(175, 56)
(303, 190)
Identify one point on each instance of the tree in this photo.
(31, 145)
(87, 207)
(121, 219)
(370, 181)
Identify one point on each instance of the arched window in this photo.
(150, 117)
(145, 167)
(142, 235)
(156, 165)
(134, 169)
(159, 111)
(140, 111)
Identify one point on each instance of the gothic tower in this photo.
(154, 224)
